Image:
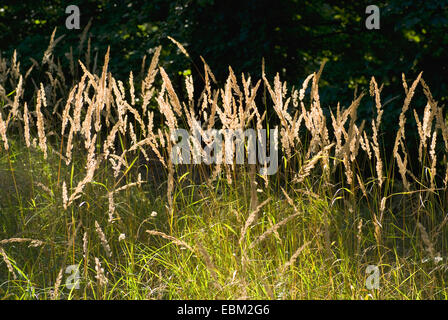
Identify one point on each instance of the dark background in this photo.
(294, 37)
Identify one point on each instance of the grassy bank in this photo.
(89, 192)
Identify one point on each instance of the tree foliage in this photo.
(293, 37)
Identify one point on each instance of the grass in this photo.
(333, 247)
(138, 228)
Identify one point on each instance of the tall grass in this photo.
(86, 180)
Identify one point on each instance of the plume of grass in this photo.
(103, 239)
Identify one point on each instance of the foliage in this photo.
(98, 191)
(85, 178)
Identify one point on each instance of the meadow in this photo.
(93, 207)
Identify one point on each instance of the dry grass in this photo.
(105, 132)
